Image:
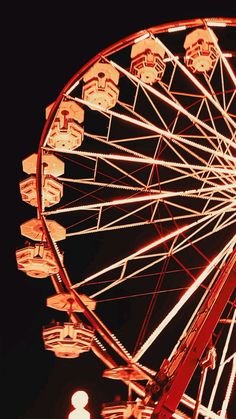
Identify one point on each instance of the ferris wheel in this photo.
(133, 185)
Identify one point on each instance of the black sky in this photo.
(44, 47)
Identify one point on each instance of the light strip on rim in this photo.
(177, 28)
(141, 38)
(219, 24)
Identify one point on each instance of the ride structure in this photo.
(139, 150)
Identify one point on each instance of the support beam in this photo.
(185, 360)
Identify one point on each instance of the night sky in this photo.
(44, 48)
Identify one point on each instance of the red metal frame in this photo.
(190, 351)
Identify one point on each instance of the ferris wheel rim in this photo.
(106, 51)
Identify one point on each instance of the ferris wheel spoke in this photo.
(148, 160)
(197, 308)
(173, 104)
(183, 300)
(179, 167)
(215, 153)
(201, 133)
(123, 261)
(169, 135)
(217, 145)
(204, 176)
(139, 149)
(143, 250)
(190, 240)
(196, 82)
(212, 152)
(199, 104)
(175, 248)
(152, 197)
(150, 188)
(187, 213)
(222, 56)
(163, 133)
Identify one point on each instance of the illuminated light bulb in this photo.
(177, 28)
(219, 24)
(142, 37)
(79, 400)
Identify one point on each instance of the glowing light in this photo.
(177, 28)
(166, 60)
(229, 389)
(198, 85)
(79, 400)
(151, 197)
(219, 24)
(141, 38)
(175, 105)
(137, 253)
(180, 303)
(149, 160)
(227, 65)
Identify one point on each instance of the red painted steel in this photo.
(190, 351)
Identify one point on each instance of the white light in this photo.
(185, 297)
(165, 60)
(79, 400)
(177, 28)
(142, 37)
(227, 55)
(220, 24)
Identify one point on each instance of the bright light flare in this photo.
(79, 400)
